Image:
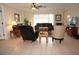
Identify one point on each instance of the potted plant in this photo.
(26, 21)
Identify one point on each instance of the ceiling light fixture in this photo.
(33, 8)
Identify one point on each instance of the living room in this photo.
(21, 13)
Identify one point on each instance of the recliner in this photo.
(28, 33)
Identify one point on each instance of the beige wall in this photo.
(74, 11)
(71, 11)
(9, 18)
(29, 14)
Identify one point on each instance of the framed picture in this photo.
(16, 17)
(58, 17)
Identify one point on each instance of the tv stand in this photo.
(72, 31)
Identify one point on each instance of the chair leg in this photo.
(61, 41)
(52, 39)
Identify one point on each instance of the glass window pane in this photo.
(44, 18)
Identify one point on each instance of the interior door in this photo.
(1, 26)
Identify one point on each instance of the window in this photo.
(43, 18)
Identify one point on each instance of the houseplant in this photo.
(26, 21)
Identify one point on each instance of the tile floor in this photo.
(69, 46)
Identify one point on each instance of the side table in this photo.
(43, 33)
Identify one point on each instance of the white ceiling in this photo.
(59, 6)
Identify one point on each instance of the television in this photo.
(72, 21)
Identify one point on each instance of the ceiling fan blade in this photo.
(41, 6)
(37, 6)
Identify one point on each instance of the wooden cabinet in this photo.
(72, 31)
(15, 32)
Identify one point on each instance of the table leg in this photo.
(46, 39)
(39, 39)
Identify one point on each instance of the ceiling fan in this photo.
(34, 6)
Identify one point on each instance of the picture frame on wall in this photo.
(58, 17)
(16, 17)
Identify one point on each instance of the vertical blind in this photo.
(44, 18)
